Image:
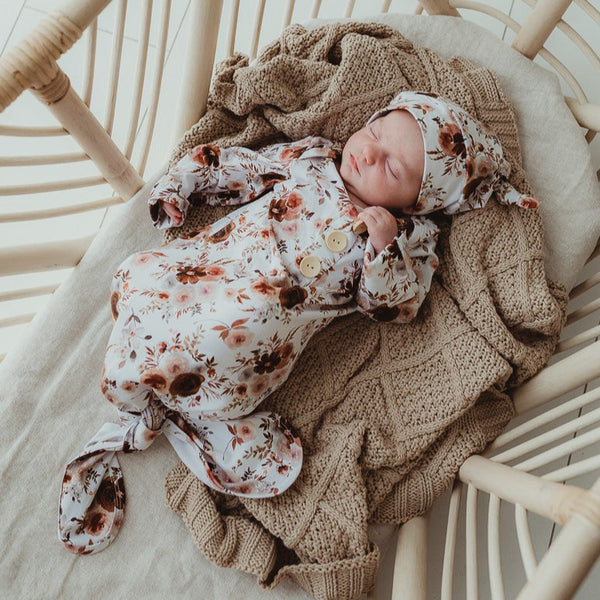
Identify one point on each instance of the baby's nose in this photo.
(370, 154)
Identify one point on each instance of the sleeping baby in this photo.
(207, 326)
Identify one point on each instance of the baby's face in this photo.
(382, 164)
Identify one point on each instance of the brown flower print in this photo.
(155, 379)
(384, 312)
(291, 152)
(241, 390)
(269, 179)
(222, 234)
(478, 170)
(267, 362)
(186, 384)
(285, 352)
(206, 155)
(530, 203)
(479, 166)
(451, 140)
(111, 495)
(277, 209)
(114, 302)
(291, 296)
(95, 522)
(262, 288)
(191, 274)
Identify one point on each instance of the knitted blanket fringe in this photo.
(385, 422)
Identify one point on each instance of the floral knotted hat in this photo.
(464, 161)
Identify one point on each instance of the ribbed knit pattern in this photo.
(386, 413)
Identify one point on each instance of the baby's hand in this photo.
(172, 212)
(381, 225)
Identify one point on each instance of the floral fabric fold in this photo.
(255, 457)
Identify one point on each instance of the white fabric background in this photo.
(51, 404)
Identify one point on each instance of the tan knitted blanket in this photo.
(386, 413)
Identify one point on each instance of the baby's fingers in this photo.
(172, 212)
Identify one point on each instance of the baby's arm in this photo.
(208, 174)
(395, 281)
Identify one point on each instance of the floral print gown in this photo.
(208, 325)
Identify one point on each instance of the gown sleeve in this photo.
(395, 282)
(216, 176)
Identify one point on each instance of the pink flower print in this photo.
(243, 488)
(258, 385)
(128, 386)
(205, 290)
(235, 336)
(238, 337)
(246, 374)
(407, 312)
(290, 228)
(214, 272)
(284, 446)
(279, 375)
(175, 363)
(184, 296)
(141, 258)
(294, 201)
(246, 431)
(351, 210)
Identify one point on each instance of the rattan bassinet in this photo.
(494, 536)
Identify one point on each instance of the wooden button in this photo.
(336, 241)
(359, 227)
(310, 266)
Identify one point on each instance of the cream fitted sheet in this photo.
(51, 402)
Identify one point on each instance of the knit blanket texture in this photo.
(386, 413)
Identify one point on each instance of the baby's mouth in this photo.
(354, 164)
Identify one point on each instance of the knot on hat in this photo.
(143, 429)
